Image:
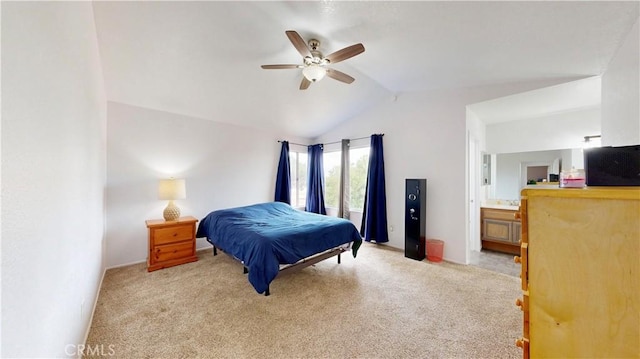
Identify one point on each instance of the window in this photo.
(359, 164)
(298, 166)
(331, 165)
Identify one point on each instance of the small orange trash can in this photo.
(435, 248)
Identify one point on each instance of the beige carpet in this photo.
(378, 305)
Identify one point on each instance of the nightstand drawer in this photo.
(172, 251)
(171, 243)
(172, 234)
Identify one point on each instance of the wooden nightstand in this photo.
(171, 243)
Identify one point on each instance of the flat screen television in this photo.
(612, 166)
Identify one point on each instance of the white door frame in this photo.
(472, 195)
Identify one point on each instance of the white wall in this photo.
(425, 137)
(621, 94)
(477, 129)
(224, 166)
(53, 176)
(572, 158)
(552, 132)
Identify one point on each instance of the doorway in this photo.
(534, 171)
(537, 173)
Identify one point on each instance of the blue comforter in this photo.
(265, 235)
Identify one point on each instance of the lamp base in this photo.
(171, 213)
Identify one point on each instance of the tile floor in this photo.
(495, 261)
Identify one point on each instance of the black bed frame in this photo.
(301, 264)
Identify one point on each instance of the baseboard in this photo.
(126, 264)
(200, 247)
(93, 311)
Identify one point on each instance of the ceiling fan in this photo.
(314, 64)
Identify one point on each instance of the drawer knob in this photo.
(519, 303)
(517, 259)
(516, 215)
(520, 343)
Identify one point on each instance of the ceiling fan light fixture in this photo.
(315, 66)
(314, 72)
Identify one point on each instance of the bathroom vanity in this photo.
(499, 228)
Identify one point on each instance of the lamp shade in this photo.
(314, 72)
(170, 189)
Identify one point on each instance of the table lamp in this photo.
(171, 189)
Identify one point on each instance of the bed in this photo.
(271, 237)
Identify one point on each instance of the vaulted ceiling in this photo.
(203, 59)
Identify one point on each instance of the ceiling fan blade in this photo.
(345, 53)
(305, 83)
(340, 76)
(298, 43)
(271, 67)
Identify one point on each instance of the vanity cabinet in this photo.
(580, 272)
(500, 230)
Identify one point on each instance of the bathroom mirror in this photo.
(512, 170)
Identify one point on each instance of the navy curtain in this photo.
(283, 179)
(315, 181)
(374, 216)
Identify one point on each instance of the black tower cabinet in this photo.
(415, 218)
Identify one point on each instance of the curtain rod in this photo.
(331, 143)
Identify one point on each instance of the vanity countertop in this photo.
(501, 206)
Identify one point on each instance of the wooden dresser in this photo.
(580, 256)
(171, 242)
